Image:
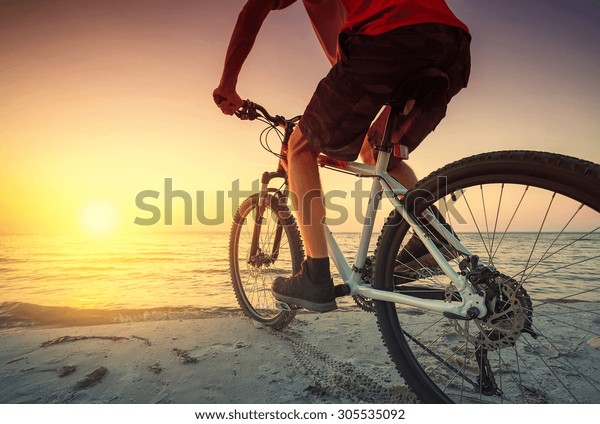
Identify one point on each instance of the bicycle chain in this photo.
(487, 383)
(441, 360)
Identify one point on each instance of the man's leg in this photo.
(307, 196)
(311, 288)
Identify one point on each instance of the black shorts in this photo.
(349, 98)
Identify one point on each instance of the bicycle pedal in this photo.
(341, 290)
(286, 307)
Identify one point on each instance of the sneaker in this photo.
(415, 256)
(300, 290)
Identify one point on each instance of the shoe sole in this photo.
(311, 306)
(425, 261)
(405, 277)
(416, 264)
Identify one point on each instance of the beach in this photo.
(320, 358)
(154, 320)
(223, 357)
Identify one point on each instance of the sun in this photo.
(99, 218)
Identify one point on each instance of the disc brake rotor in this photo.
(509, 315)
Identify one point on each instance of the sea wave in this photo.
(20, 314)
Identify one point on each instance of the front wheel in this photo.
(534, 218)
(279, 253)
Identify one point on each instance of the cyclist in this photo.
(373, 46)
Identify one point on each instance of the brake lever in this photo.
(247, 112)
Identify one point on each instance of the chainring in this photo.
(366, 303)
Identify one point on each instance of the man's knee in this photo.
(300, 146)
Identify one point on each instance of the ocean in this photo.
(54, 279)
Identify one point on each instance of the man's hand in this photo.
(228, 100)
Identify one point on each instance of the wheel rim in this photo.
(546, 247)
(254, 279)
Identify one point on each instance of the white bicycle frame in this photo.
(384, 183)
(352, 276)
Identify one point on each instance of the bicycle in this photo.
(490, 320)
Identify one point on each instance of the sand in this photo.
(320, 358)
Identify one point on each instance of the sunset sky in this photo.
(100, 100)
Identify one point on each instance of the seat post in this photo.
(385, 144)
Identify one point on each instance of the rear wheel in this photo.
(279, 253)
(535, 218)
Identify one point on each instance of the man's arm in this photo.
(242, 40)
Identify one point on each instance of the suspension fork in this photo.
(278, 230)
(258, 221)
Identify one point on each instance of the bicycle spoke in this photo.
(485, 218)
(496, 224)
(476, 224)
(543, 256)
(514, 214)
(549, 368)
(537, 238)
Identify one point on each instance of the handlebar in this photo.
(251, 111)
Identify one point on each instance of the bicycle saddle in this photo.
(418, 87)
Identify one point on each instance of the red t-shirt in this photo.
(371, 17)
(374, 17)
